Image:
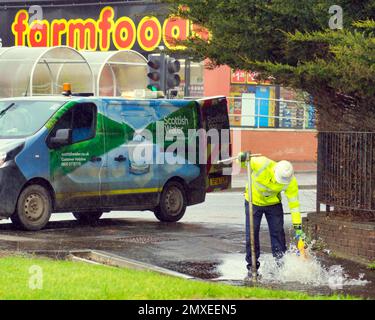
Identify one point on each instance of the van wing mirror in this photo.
(63, 137)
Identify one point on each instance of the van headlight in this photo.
(3, 157)
(10, 154)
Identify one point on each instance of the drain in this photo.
(201, 269)
(143, 239)
(105, 258)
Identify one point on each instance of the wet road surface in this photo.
(208, 243)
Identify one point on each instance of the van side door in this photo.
(130, 181)
(75, 166)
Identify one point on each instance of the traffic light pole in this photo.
(163, 73)
(187, 78)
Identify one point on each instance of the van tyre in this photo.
(34, 207)
(172, 204)
(87, 217)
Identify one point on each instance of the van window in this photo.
(81, 119)
(22, 118)
(65, 122)
(84, 116)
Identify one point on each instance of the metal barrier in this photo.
(256, 112)
(346, 167)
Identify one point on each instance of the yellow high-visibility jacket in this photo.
(266, 191)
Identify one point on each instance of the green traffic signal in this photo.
(155, 72)
(152, 88)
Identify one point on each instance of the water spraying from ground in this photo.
(309, 271)
(292, 269)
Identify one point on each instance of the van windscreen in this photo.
(20, 119)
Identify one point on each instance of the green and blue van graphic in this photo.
(91, 155)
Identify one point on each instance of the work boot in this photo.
(249, 278)
(249, 266)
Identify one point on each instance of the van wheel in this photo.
(172, 204)
(87, 217)
(33, 209)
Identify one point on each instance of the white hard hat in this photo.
(284, 172)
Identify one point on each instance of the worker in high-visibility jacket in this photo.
(269, 179)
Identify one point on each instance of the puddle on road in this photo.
(296, 273)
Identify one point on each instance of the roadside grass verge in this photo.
(75, 280)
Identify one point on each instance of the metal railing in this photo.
(346, 167)
(253, 112)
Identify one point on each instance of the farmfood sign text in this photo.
(104, 32)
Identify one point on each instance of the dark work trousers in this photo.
(275, 219)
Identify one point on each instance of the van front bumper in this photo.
(11, 184)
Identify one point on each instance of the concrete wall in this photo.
(351, 240)
(291, 145)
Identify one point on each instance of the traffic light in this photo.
(162, 72)
(172, 68)
(156, 72)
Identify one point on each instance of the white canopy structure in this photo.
(42, 71)
(117, 73)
